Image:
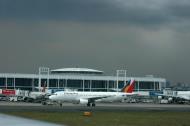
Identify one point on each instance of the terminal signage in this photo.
(8, 92)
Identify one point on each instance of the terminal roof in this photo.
(65, 70)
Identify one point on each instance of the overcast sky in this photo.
(143, 36)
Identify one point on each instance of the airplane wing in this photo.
(92, 99)
(7, 120)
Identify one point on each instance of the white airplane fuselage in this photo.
(83, 97)
(184, 94)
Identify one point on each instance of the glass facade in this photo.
(23, 82)
(111, 84)
(10, 82)
(74, 83)
(2, 82)
(98, 84)
(89, 85)
(62, 83)
(53, 83)
(35, 82)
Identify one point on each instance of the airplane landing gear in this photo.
(91, 105)
(88, 105)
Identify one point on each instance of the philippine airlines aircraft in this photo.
(90, 98)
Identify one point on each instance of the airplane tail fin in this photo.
(128, 88)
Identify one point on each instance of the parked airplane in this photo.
(184, 95)
(36, 96)
(176, 96)
(90, 98)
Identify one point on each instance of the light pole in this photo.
(122, 73)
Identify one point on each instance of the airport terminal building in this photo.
(82, 79)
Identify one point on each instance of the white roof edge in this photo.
(77, 70)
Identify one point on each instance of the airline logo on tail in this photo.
(129, 88)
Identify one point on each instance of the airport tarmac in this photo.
(109, 107)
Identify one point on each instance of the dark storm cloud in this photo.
(180, 9)
(56, 9)
(146, 36)
(118, 11)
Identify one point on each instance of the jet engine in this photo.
(159, 97)
(83, 101)
(170, 99)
